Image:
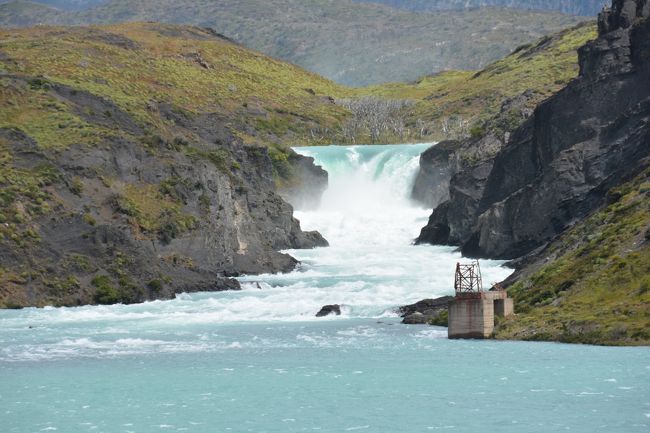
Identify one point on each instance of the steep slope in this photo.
(555, 169)
(351, 43)
(574, 7)
(141, 160)
(592, 284)
(454, 104)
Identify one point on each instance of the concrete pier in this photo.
(472, 311)
(471, 315)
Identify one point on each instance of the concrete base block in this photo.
(471, 318)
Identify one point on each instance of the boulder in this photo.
(326, 310)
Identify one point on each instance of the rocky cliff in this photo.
(120, 182)
(556, 168)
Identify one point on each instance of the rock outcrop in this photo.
(431, 185)
(141, 160)
(137, 217)
(556, 168)
(307, 185)
(442, 161)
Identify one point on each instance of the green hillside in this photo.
(455, 104)
(139, 65)
(354, 44)
(274, 102)
(449, 104)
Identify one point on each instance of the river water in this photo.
(260, 361)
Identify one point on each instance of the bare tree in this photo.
(375, 118)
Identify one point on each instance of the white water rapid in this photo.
(371, 265)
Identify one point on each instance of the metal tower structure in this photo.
(468, 278)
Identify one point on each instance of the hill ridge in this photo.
(355, 44)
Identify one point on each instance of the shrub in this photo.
(123, 205)
(174, 225)
(39, 83)
(644, 286)
(204, 202)
(126, 293)
(89, 219)
(441, 319)
(11, 305)
(477, 131)
(155, 286)
(76, 186)
(105, 293)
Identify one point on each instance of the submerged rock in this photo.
(426, 311)
(329, 309)
(416, 318)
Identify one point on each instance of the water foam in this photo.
(367, 216)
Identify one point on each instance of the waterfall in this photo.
(370, 222)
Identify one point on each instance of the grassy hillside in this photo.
(140, 66)
(276, 103)
(596, 288)
(25, 13)
(353, 44)
(452, 104)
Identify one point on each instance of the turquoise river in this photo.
(258, 360)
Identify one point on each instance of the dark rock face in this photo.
(470, 165)
(224, 216)
(431, 185)
(329, 309)
(557, 167)
(425, 306)
(441, 162)
(308, 186)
